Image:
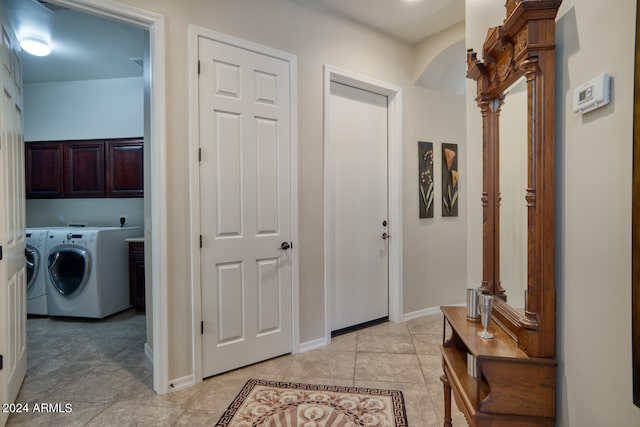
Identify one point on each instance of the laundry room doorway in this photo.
(92, 112)
(138, 212)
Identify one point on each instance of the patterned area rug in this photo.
(281, 404)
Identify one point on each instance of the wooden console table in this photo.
(511, 389)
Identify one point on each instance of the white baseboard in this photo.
(313, 344)
(321, 342)
(148, 351)
(421, 313)
(180, 383)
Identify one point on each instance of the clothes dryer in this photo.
(87, 271)
(36, 271)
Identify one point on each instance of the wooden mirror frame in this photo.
(523, 45)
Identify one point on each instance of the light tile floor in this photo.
(99, 367)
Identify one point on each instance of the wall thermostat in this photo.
(593, 94)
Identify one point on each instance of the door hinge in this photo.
(198, 67)
(1, 361)
(0, 252)
(201, 241)
(202, 327)
(199, 154)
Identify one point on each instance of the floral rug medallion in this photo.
(263, 403)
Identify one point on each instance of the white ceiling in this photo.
(410, 21)
(86, 47)
(83, 47)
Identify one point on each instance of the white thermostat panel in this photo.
(593, 94)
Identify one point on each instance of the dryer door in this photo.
(33, 263)
(69, 269)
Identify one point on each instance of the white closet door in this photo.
(245, 198)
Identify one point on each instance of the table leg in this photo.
(447, 400)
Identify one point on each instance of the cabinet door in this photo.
(43, 170)
(125, 175)
(84, 169)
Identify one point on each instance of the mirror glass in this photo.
(512, 187)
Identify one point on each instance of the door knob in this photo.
(285, 245)
(385, 236)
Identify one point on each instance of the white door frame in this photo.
(154, 23)
(394, 126)
(196, 32)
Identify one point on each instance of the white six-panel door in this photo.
(12, 222)
(357, 208)
(245, 206)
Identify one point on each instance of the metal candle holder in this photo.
(486, 301)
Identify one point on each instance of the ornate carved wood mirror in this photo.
(523, 47)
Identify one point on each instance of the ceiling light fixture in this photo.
(35, 46)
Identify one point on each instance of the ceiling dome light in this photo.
(35, 46)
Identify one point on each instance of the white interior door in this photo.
(245, 206)
(13, 300)
(358, 206)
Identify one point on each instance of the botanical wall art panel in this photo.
(425, 178)
(450, 179)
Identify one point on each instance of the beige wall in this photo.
(428, 49)
(434, 248)
(102, 212)
(316, 39)
(593, 184)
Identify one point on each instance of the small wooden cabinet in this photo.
(84, 168)
(136, 274)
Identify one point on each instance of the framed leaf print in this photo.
(425, 179)
(450, 179)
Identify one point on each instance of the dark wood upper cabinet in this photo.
(44, 170)
(125, 175)
(84, 168)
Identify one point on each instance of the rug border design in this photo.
(399, 409)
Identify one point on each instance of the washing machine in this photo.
(88, 271)
(36, 271)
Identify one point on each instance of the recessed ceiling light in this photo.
(35, 46)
